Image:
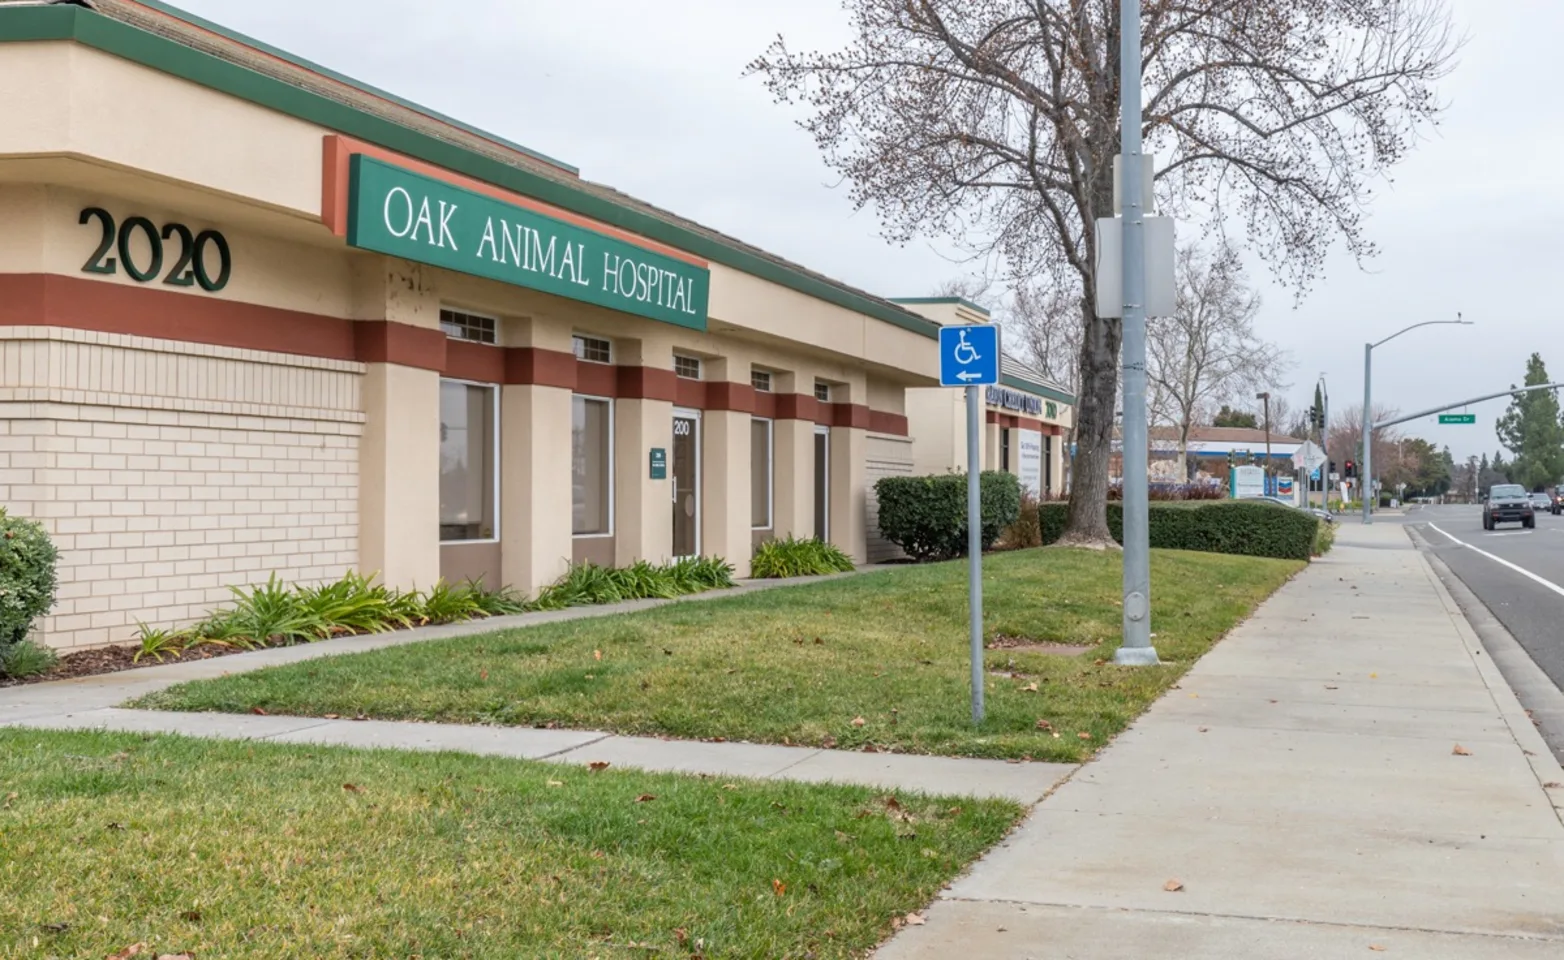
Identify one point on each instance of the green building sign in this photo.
(408, 215)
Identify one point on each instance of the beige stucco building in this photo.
(269, 320)
(1026, 418)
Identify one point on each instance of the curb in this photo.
(1544, 765)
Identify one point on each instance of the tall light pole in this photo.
(1367, 474)
(1324, 444)
(1266, 396)
(1136, 649)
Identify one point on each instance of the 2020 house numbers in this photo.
(192, 263)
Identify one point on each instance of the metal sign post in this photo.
(969, 358)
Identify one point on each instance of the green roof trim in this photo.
(100, 32)
(297, 61)
(1016, 383)
(963, 301)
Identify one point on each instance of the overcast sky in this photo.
(649, 97)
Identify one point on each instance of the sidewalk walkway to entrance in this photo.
(1301, 794)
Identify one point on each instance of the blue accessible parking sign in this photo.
(969, 355)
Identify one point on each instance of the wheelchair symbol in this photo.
(964, 352)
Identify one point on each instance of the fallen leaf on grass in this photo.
(859, 721)
(913, 920)
(1029, 688)
(332, 716)
(681, 935)
(259, 712)
(1084, 735)
(645, 798)
(597, 654)
(1044, 725)
(352, 788)
(13, 795)
(1174, 886)
(598, 766)
(778, 887)
(175, 956)
(1461, 751)
(556, 783)
(130, 951)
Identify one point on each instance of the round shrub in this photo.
(927, 516)
(27, 582)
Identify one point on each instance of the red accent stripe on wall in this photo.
(75, 303)
(893, 424)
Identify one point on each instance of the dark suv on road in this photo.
(1508, 503)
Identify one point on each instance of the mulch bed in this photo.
(1028, 645)
(91, 663)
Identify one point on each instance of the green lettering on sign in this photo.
(408, 215)
(1458, 418)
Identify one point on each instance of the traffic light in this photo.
(1333, 466)
(1352, 470)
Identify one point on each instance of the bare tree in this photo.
(1045, 319)
(1345, 439)
(1282, 417)
(1208, 352)
(995, 122)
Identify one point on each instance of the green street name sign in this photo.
(1458, 418)
(406, 214)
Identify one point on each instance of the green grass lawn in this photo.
(877, 659)
(239, 850)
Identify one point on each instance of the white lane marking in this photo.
(1503, 562)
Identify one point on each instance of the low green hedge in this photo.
(927, 516)
(1218, 526)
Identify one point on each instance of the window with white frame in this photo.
(592, 466)
(469, 505)
(592, 349)
(822, 391)
(459, 325)
(687, 367)
(760, 380)
(760, 473)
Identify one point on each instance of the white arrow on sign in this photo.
(968, 375)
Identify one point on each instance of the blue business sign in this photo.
(969, 355)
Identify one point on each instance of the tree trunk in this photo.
(1086, 523)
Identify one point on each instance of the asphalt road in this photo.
(1518, 574)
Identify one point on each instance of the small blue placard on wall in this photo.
(659, 463)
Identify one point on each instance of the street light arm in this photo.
(1425, 323)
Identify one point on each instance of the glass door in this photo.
(686, 483)
(823, 484)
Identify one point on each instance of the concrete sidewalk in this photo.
(1304, 787)
(92, 703)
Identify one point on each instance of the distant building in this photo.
(1209, 450)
